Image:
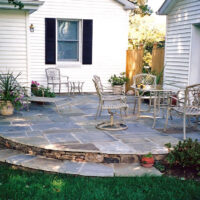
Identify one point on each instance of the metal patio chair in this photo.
(161, 103)
(106, 98)
(103, 88)
(54, 78)
(142, 84)
(189, 107)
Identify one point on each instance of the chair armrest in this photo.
(65, 77)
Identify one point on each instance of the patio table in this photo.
(76, 85)
(153, 96)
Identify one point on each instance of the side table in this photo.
(76, 86)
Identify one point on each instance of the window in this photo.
(68, 40)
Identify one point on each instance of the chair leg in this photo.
(126, 111)
(59, 88)
(68, 88)
(139, 107)
(121, 113)
(184, 126)
(154, 114)
(166, 121)
(135, 102)
(100, 110)
(53, 87)
(197, 120)
(97, 114)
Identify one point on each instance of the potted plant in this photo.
(118, 83)
(34, 86)
(11, 94)
(147, 160)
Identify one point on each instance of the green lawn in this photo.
(18, 184)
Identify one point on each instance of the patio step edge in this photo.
(35, 163)
(76, 156)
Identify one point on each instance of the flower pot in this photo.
(6, 108)
(147, 162)
(118, 89)
(34, 89)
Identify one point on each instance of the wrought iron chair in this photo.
(161, 102)
(103, 88)
(54, 78)
(142, 84)
(189, 107)
(106, 98)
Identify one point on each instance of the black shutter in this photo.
(87, 42)
(50, 41)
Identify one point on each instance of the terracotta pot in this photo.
(6, 108)
(118, 89)
(147, 162)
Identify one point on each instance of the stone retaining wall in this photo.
(75, 156)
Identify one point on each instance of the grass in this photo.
(19, 184)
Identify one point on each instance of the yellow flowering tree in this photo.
(146, 30)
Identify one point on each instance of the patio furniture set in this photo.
(54, 78)
(185, 102)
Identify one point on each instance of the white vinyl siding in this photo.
(183, 15)
(13, 39)
(110, 39)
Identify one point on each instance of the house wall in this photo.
(110, 39)
(180, 21)
(195, 58)
(13, 38)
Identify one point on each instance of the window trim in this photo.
(80, 30)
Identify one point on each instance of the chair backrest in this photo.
(192, 96)
(52, 74)
(98, 88)
(145, 79)
(98, 80)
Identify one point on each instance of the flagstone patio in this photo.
(72, 135)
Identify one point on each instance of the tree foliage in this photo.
(142, 8)
(144, 29)
(16, 3)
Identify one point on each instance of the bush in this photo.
(118, 80)
(43, 92)
(185, 154)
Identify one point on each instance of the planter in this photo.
(147, 162)
(118, 89)
(6, 108)
(34, 89)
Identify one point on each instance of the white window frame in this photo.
(70, 62)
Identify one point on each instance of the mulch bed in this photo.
(178, 171)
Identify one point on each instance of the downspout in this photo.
(27, 49)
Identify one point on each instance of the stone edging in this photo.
(75, 156)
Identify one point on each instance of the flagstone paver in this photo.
(134, 170)
(6, 153)
(94, 169)
(76, 168)
(74, 130)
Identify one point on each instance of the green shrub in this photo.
(43, 92)
(118, 80)
(185, 154)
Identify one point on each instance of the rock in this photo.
(130, 92)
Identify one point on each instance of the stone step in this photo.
(28, 161)
(78, 153)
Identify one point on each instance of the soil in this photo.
(178, 171)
